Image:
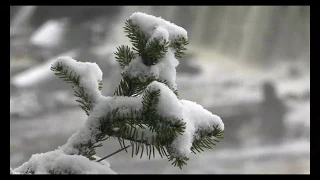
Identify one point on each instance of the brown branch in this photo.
(113, 153)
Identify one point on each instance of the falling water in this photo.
(21, 19)
(22, 15)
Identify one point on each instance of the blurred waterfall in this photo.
(21, 19)
(256, 34)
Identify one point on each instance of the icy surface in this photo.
(60, 162)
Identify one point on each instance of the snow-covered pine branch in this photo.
(85, 88)
(145, 108)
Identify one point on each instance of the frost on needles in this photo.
(144, 110)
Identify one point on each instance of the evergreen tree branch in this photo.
(71, 77)
(29, 171)
(113, 153)
(155, 50)
(57, 171)
(137, 38)
(178, 44)
(128, 127)
(206, 139)
(131, 126)
(100, 85)
(146, 130)
(124, 56)
(150, 50)
(135, 86)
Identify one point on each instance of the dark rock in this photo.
(294, 72)
(272, 113)
(185, 65)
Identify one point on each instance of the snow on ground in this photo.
(37, 74)
(61, 125)
(297, 119)
(230, 83)
(33, 103)
(297, 86)
(42, 134)
(60, 162)
(48, 124)
(50, 34)
(25, 104)
(291, 157)
(221, 79)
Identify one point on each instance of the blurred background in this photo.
(250, 65)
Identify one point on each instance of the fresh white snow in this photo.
(149, 23)
(38, 74)
(90, 74)
(57, 160)
(49, 34)
(193, 114)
